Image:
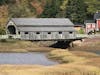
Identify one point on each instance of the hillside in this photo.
(47, 8)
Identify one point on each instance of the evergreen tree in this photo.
(92, 7)
(76, 11)
(2, 2)
(62, 11)
(23, 9)
(51, 9)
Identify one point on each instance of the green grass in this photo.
(64, 56)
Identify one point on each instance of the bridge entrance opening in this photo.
(12, 30)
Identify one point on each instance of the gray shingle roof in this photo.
(89, 21)
(46, 28)
(42, 21)
(97, 15)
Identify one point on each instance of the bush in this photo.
(2, 31)
(3, 40)
(81, 31)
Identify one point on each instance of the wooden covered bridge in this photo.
(41, 28)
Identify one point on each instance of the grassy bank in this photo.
(78, 57)
(64, 56)
(63, 69)
(88, 44)
(22, 46)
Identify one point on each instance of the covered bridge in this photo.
(41, 28)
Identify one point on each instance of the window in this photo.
(37, 32)
(19, 32)
(49, 32)
(70, 32)
(60, 32)
(26, 32)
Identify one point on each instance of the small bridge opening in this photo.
(11, 29)
(61, 44)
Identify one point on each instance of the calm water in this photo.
(25, 58)
(96, 51)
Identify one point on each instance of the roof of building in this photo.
(89, 21)
(46, 29)
(78, 25)
(42, 21)
(97, 15)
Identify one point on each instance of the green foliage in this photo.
(76, 10)
(2, 2)
(81, 31)
(22, 10)
(51, 9)
(3, 40)
(92, 7)
(2, 31)
(62, 12)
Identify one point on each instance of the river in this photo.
(95, 51)
(34, 58)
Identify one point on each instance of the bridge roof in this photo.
(42, 21)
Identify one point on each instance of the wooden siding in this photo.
(46, 35)
(98, 23)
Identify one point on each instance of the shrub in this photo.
(2, 31)
(3, 40)
(81, 31)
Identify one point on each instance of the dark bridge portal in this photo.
(12, 30)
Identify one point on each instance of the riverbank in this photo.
(63, 69)
(77, 57)
(88, 44)
(24, 46)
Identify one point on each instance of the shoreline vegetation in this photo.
(74, 61)
(20, 46)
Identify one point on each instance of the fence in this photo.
(10, 36)
(81, 35)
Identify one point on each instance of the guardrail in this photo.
(10, 36)
(87, 36)
(81, 35)
(4, 36)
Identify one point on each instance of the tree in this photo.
(2, 2)
(51, 9)
(2, 31)
(23, 9)
(76, 11)
(92, 7)
(81, 31)
(62, 11)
